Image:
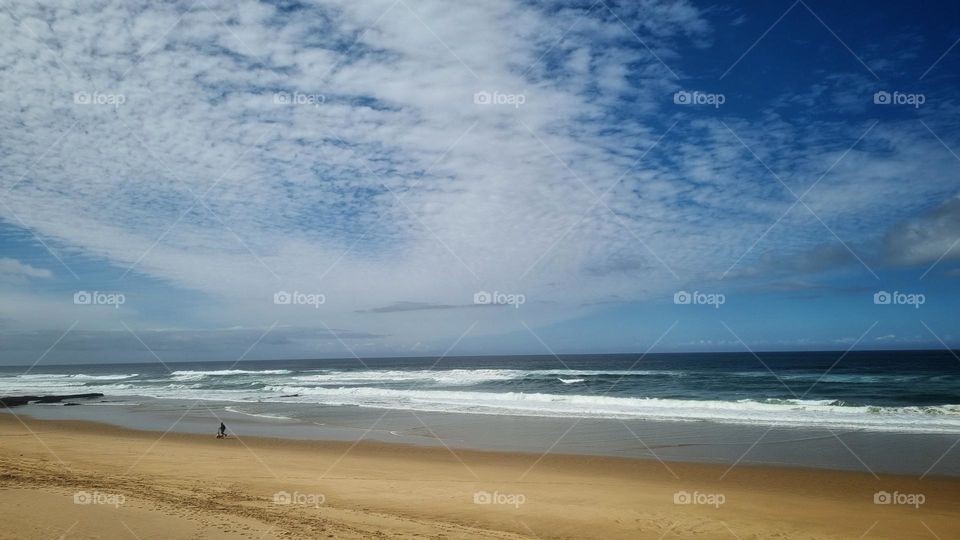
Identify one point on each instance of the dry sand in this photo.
(189, 486)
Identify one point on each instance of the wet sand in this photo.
(702, 442)
(80, 480)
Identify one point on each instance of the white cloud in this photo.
(16, 269)
(396, 187)
(930, 238)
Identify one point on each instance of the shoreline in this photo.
(695, 442)
(414, 491)
(374, 445)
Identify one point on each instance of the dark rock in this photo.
(15, 401)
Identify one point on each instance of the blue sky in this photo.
(386, 161)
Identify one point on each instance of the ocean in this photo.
(887, 391)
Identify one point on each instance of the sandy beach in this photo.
(512, 269)
(86, 480)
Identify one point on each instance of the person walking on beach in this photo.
(223, 431)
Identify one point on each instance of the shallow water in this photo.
(701, 441)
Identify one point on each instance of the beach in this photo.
(93, 480)
(522, 269)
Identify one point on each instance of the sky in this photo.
(253, 180)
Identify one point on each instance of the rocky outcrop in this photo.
(14, 401)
